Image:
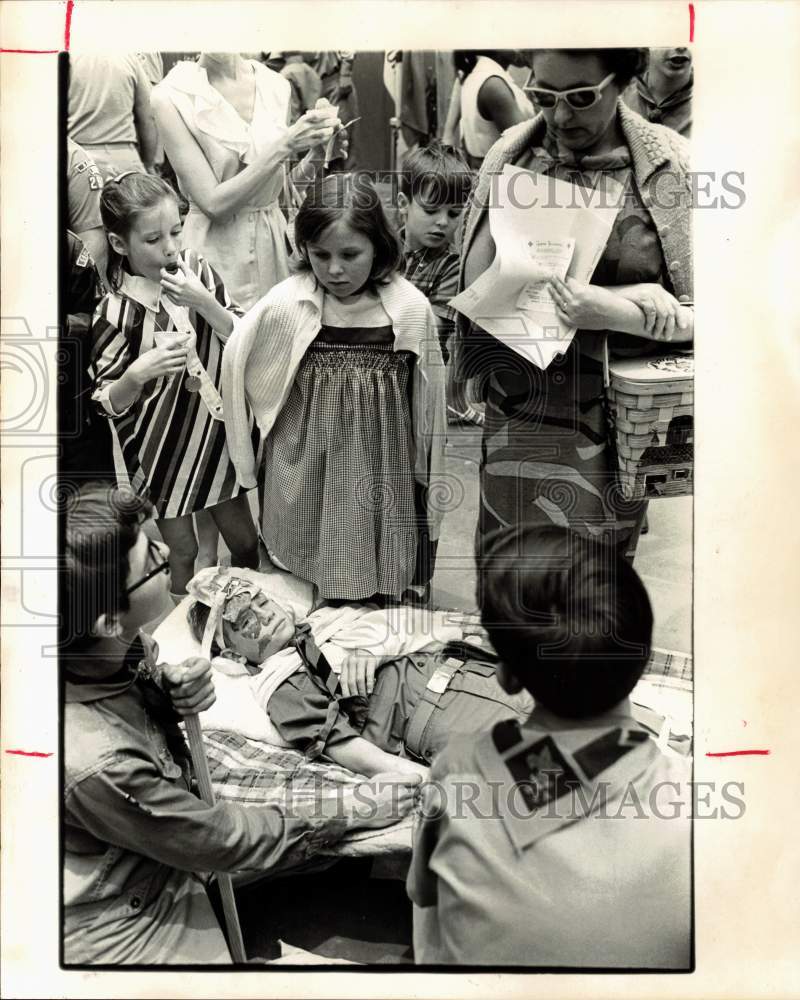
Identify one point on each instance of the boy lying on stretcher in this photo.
(361, 684)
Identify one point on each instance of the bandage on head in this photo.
(231, 599)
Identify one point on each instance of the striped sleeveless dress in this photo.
(174, 452)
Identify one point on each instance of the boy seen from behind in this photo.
(563, 841)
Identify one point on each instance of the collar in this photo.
(611, 159)
(142, 290)
(651, 147)
(311, 291)
(619, 715)
(647, 142)
(82, 689)
(676, 97)
(430, 252)
(561, 775)
(215, 116)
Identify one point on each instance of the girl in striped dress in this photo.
(157, 341)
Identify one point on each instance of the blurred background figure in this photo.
(223, 120)
(153, 66)
(663, 93)
(87, 453)
(84, 184)
(335, 70)
(491, 101)
(305, 82)
(109, 112)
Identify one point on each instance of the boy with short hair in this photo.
(563, 841)
(135, 834)
(434, 188)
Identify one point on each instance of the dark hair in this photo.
(353, 198)
(464, 59)
(568, 616)
(625, 64)
(196, 617)
(102, 525)
(437, 174)
(122, 200)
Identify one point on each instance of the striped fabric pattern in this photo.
(174, 452)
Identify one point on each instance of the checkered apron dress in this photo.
(338, 468)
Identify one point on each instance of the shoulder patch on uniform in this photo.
(607, 749)
(542, 773)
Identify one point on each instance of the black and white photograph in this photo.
(378, 529)
(374, 620)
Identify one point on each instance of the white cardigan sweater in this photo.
(264, 351)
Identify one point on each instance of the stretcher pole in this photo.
(200, 761)
(195, 734)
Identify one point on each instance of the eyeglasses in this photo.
(579, 98)
(155, 557)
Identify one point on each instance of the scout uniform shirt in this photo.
(557, 843)
(674, 111)
(134, 833)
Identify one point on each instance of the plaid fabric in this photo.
(255, 774)
(435, 274)
(670, 664)
(339, 504)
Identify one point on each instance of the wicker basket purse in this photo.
(651, 410)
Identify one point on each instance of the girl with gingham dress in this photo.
(342, 368)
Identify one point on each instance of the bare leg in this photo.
(178, 533)
(207, 538)
(235, 523)
(363, 757)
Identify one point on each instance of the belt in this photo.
(435, 688)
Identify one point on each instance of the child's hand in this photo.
(183, 287)
(383, 800)
(357, 676)
(166, 360)
(189, 685)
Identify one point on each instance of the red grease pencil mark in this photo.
(68, 23)
(740, 753)
(29, 753)
(49, 52)
(691, 22)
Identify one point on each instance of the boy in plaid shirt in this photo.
(434, 188)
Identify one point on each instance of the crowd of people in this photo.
(264, 350)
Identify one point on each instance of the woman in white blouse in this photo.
(224, 122)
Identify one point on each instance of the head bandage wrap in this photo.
(228, 594)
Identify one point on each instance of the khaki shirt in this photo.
(517, 862)
(107, 94)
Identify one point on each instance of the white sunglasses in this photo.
(579, 98)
